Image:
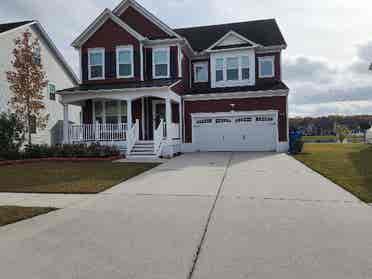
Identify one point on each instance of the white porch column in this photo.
(168, 117)
(180, 120)
(66, 138)
(129, 114)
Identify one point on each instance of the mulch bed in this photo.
(58, 159)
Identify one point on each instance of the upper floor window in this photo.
(232, 70)
(201, 72)
(160, 63)
(52, 91)
(37, 56)
(96, 63)
(124, 62)
(266, 67)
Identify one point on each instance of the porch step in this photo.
(143, 149)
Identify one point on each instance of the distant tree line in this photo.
(327, 125)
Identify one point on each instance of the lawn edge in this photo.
(50, 210)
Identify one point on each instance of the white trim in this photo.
(124, 48)
(127, 3)
(80, 64)
(101, 51)
(167, 49)
(232, 33)
(265, 59)
(143, 116)
(236, 95)
(141, 61)
(98, 22)
(180, 56)
(268, 49)
(202, 64)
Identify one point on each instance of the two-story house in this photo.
(58, 72)
(158, 91)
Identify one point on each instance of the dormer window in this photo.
(232, 69)
(124, 62)
(160, 58)
(266, 67)
(96, 63)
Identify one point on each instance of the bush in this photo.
(64, 151)
(11, 136)
(298, 146)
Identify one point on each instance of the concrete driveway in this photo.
(203, 215)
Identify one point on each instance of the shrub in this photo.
(11, 136)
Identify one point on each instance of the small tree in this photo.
(27, 82)
(364, 126)
(342, 132)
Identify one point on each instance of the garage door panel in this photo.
(236, 133)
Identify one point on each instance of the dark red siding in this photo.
(142, 25)
(278, 74)
(249, 104)
(88, 112)
(173, 61)
(109, 36)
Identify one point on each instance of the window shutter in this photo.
(84, 63)
(148, 64)
(173, 62)
(137, 63)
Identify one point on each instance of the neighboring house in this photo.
(58, 73)
(209, 88)
(369, 136)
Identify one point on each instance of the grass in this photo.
(67, 177)
(348, 165)
(319, 138)
(12, 214)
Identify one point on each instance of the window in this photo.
(204, 121)
(266, 67)
(52, 91)
(124, 62)
(245, 67)
(201, 72)
(32, 124)
(111, 111)
(223, 120)
(37, 56)
(160, 63)
(219, 69)
(243, 120)
(232, 68)
(98, 112)
(264, 118)
(96, 63)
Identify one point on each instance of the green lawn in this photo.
(319, 138)
(348, 165)
(12, 214)
(67, 177)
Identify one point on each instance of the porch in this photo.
(140, 124)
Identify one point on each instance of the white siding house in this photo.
(58, 73)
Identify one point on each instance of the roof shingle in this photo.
(12, 25)
(264, 32)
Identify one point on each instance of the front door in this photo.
(158, 113)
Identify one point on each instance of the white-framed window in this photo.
(110, 111)
(232, 69)
(160, 62)
(96, 63)
(266, 67)
(52, 91)
(124, 62)
(201, 72)
(37, 56)
(219, 69)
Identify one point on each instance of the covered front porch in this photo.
(140, 123)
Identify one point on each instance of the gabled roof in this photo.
(12, 25)
(37, 27)
(242, 42)
(99, 21)
(262, 32)
(125, 4)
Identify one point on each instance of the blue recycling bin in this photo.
(294, 136)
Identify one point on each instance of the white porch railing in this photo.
(174, 131)
(159, 135)
(98, 132)
(133, 137)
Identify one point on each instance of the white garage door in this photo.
(235, 132)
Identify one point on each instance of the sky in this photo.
(329, 41)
